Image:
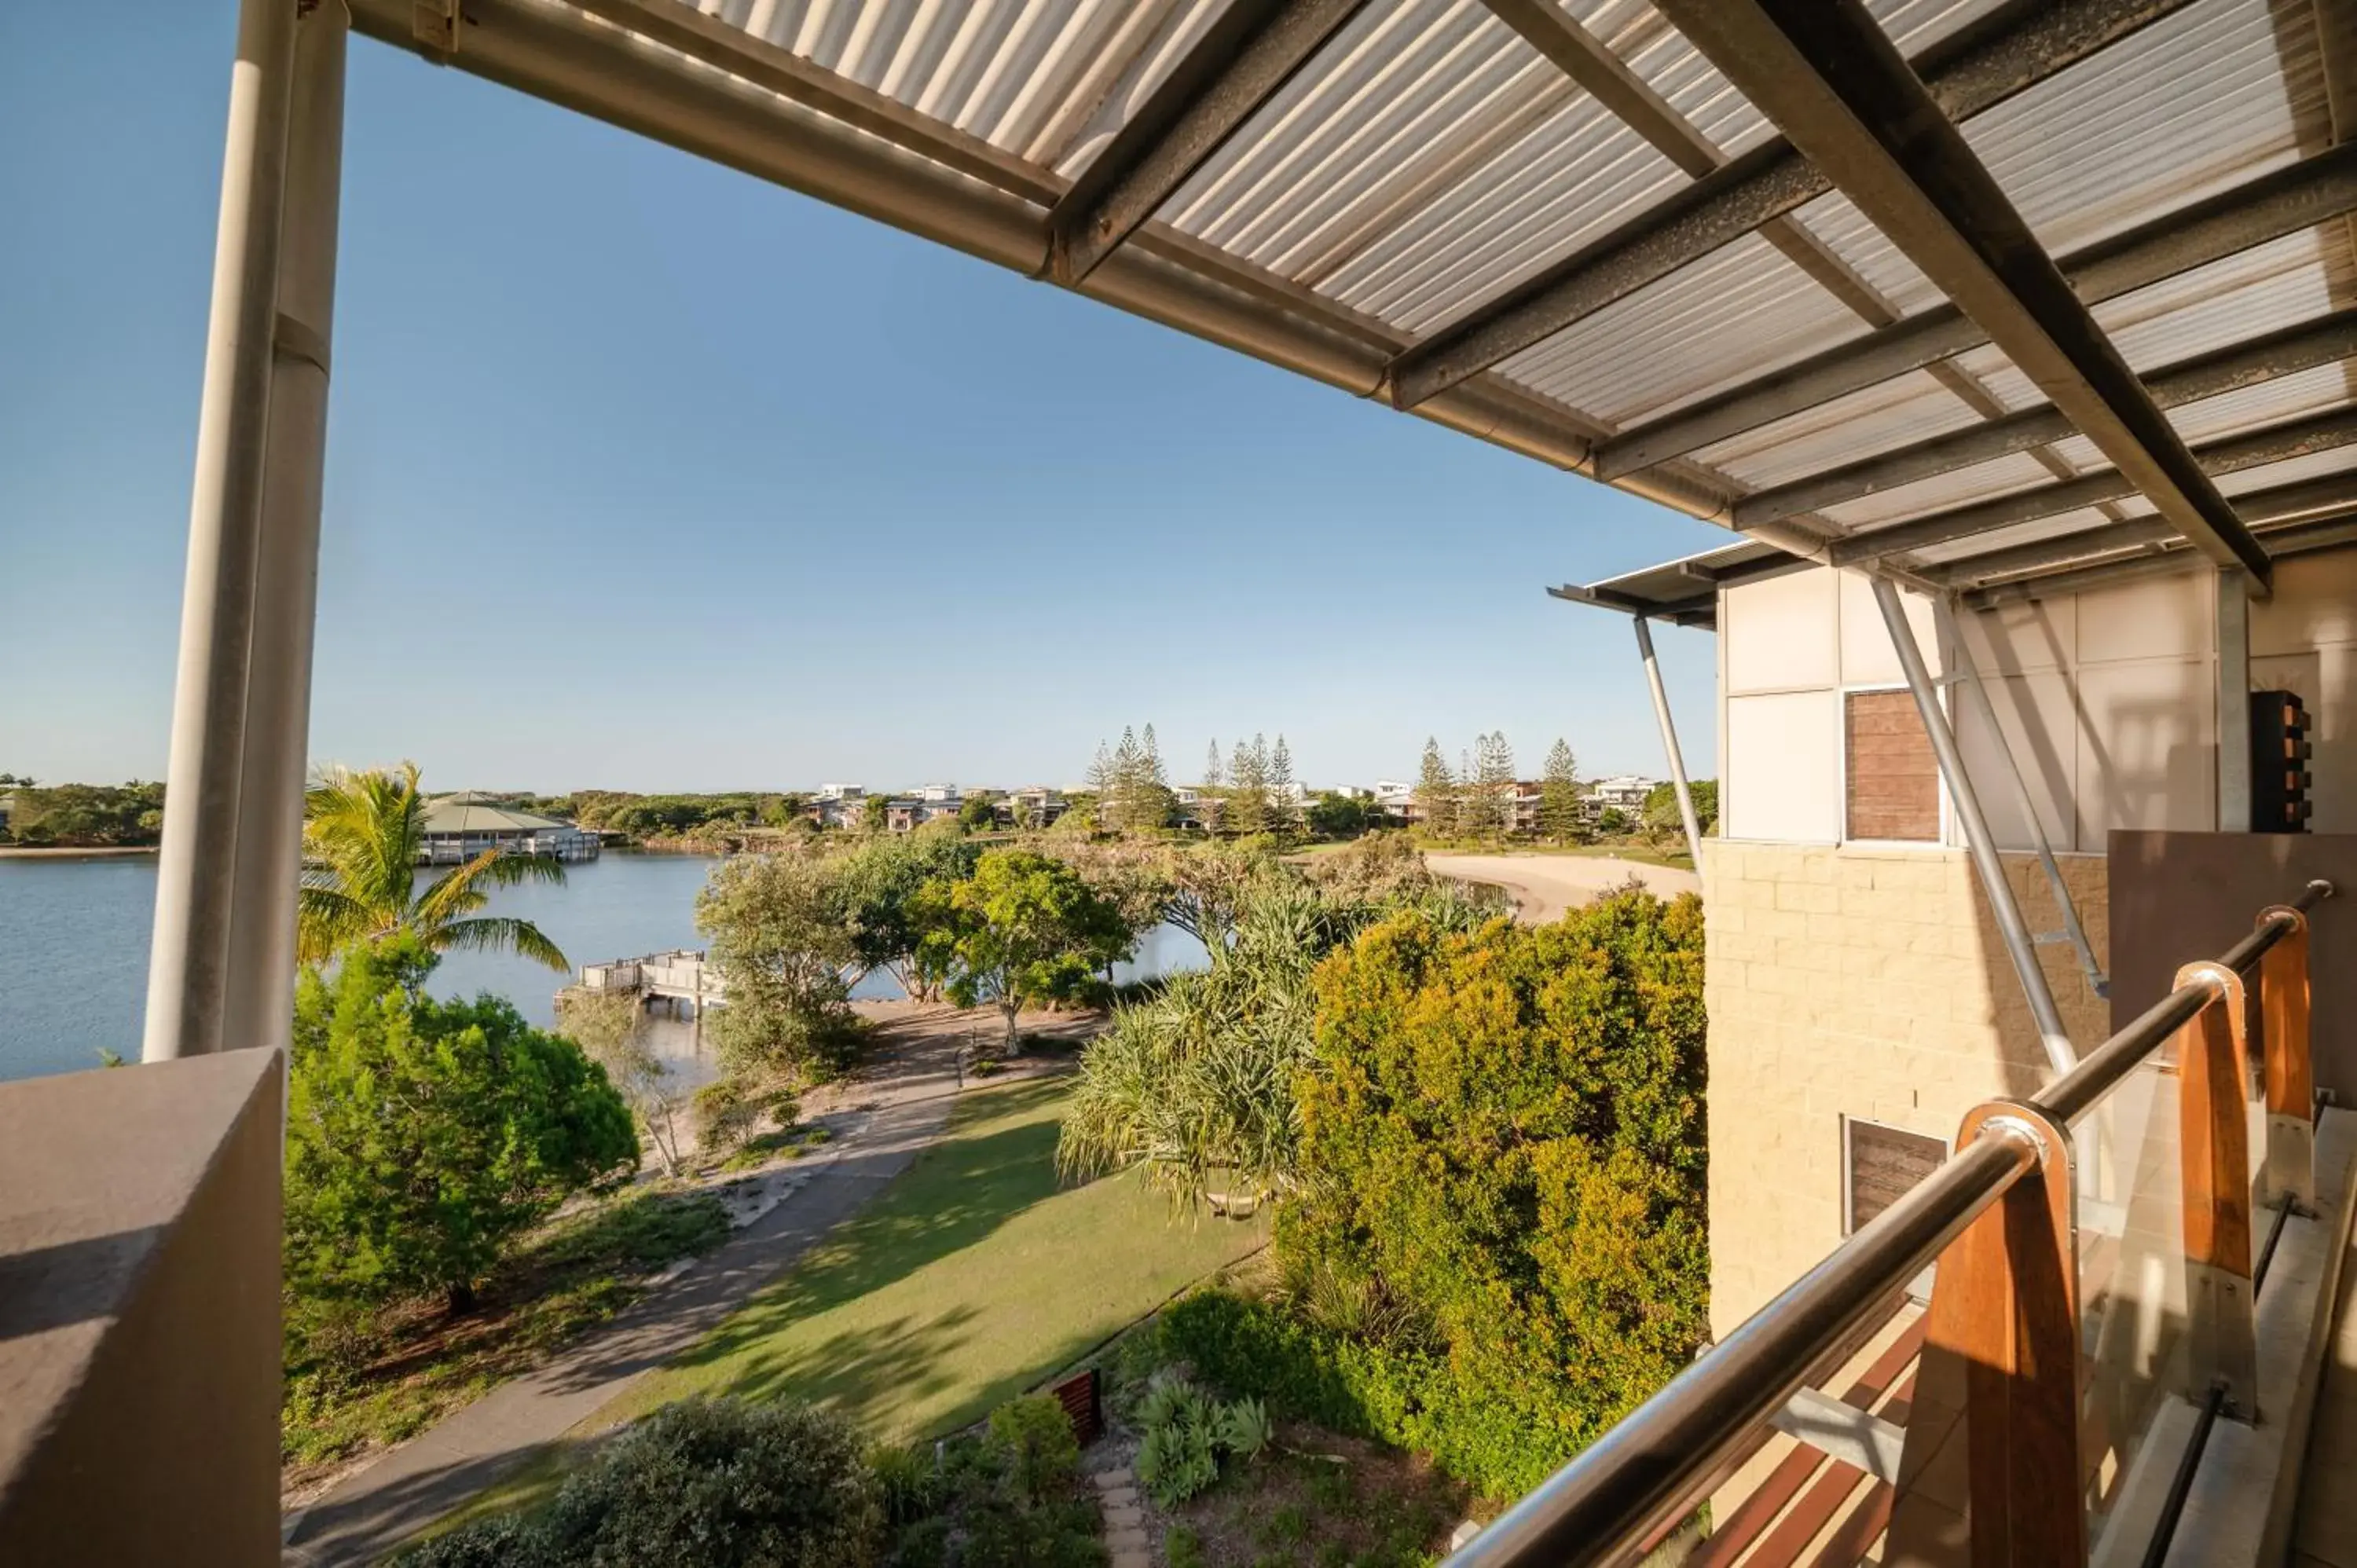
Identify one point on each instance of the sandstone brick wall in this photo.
(1863, 982)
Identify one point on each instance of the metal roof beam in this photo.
(2020, 45)
(1253, 50)
(2275, 444)
(2311, 343)
(1827, 74)
(2325, 533)
(2278, 504)
(2285, 200)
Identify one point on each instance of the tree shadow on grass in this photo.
(958, 1193)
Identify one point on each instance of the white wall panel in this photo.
(2042, 634)
(2314, 605)
(1866, 657)
(1781, 763)
(1781, 634)
(2163, 618)
(2147, 753)
(2039, 722)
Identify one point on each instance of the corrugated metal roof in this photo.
(1426, 160)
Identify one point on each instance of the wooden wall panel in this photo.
(1893, 779)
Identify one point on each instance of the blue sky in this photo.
(644, 475)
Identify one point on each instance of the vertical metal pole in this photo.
(189, 967)
(259, 997)
(2234, 700)
(1669, 739)
(2010, 924)
(2077, 933)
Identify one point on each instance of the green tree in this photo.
(1665, 825)
(1503, 1132)
(1196, 1084)
(1486, 786)
(363, 834)
(423, 1135)
(612, 1032)
(85, 816)
(977, 814)
(1559, 813)
(1436, 791)
(1284, 798)
(1023, 930)
(1247, 808)
(783, 942)
(878, 894)
(1334, 816)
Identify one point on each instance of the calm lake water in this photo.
(74, 935)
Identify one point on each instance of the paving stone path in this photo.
(1125, 1518)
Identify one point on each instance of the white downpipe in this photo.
(259, 995)
(187, 970)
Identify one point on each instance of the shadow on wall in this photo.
(2179, 896)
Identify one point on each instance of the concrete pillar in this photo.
(188, 972)
(259, 1002)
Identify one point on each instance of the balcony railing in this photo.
(2002, 1220)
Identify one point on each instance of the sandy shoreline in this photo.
(45, 852)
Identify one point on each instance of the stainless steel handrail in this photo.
(1654, 1466)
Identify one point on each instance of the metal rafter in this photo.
(2277, 504)
(1253, 50)
(2283, 201)
(2323, 533)
(1590, 64)
(2014, 47)
(1827, 74)
(2299, 348)
(2275, 444)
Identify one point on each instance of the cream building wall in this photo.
(1866, 981)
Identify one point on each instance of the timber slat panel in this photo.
(1753, 1515)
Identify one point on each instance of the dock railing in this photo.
(1999, 1218)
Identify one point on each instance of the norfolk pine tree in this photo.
(1559, 794)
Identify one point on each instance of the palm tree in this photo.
(362, 835)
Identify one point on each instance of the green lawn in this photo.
(974, 1276)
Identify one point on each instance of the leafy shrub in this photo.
(1497, 1246)
(1034, 1444)
(1175, 1461)
(716, 1483)
(1186, 1432)
(422, 1136)
(1010, 1497)
(1244, 1428)
(729, 1112)
(911, 1484)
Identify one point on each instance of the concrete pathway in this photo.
(900, 1105)
(1544, 886)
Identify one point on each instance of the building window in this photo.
(1893, 779)
(1879, 1165)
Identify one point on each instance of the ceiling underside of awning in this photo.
(1974, 293)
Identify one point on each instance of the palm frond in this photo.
(326, 921)
(493, 933)
(460, 890)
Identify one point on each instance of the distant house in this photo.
(460, 827)
(1623, 792)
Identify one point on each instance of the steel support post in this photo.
(2071, 927)
(2234, 700)
(189, 967)
(258, 999)
(1669, 739)
(2019, 944)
